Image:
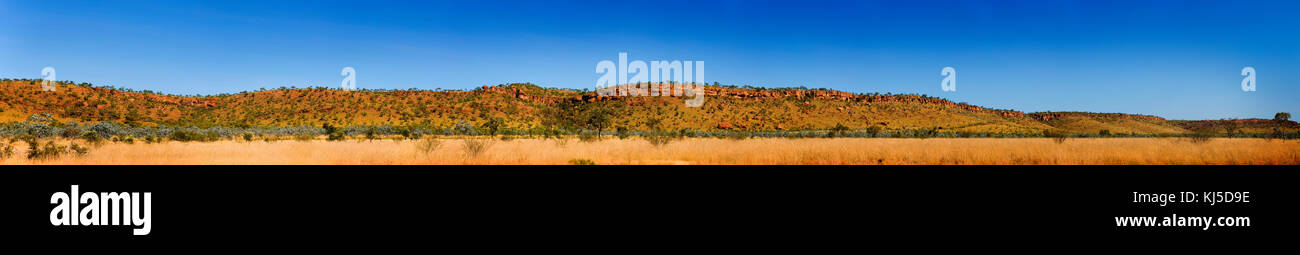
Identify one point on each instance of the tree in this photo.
(493, 125)
(1056, 135)
(653, 123)
(1282, 116)
(1230, 127)
(838, 130)
(334, 133)
(599, 118)
(564, 118)
(873, 130)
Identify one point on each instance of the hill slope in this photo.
(529, 107)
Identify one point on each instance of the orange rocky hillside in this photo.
(527, 107)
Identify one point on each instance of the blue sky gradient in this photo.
(1175, 59)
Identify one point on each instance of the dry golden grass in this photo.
(701, 151)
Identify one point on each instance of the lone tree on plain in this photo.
(1282, 116)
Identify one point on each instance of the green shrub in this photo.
(405, 132)
(658, 139)
(838, 130)
(463, 128)
(928, 132)
(7, 151)
(370, 134)
(335, 134)
(70, 132)
(49, 151)
(193, 136)
(92, 137)
(1057, 135)
(1200, 135)
(493, 125)
(622, 133)
(248, 137)
(81, 151)
(873, 130)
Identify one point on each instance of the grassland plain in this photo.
(709, 151)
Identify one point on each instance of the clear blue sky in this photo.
(1176, 59)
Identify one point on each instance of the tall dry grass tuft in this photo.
(659, 139)
(428, 144)
(475, 146)
(7, 150)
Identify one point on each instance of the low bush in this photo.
(193, 136)
(658, 139)
(588, 137)
(92, 137)
(737, 136)
(622, 133)
(81, 151)
(47, 152)
(837, 131)
(7, 151)
(1200, 137)
(335, 133)
(370, 134)
(873, 130)
(581, 162)
(1057, 136)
